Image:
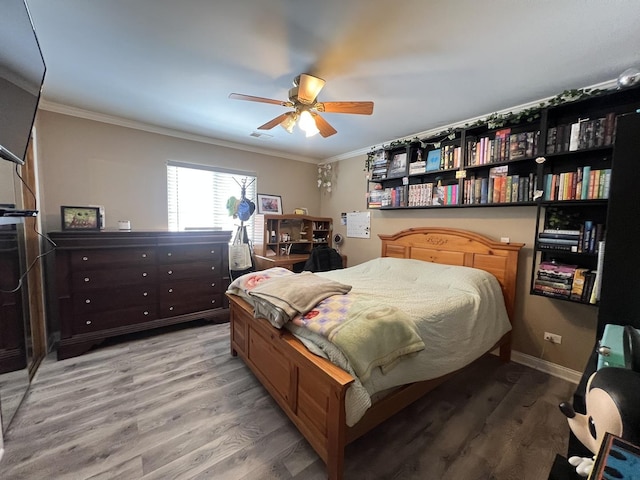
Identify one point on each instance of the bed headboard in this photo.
(453, 246)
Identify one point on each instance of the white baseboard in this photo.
(554, 369)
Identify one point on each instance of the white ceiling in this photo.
(172, 63)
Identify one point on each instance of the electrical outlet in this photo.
(553, 338)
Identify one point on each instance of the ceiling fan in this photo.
(303, 100)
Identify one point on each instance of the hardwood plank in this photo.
(178, 405)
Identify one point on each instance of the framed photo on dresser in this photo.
(80, 218)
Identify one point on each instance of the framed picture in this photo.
(269, 204)
(80, 218)
(398, 165)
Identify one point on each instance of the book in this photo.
(577, 285)
(555, 246)
(433, 160)
(568, 236)
(561, 231)
(558, 241)
(589, 279)
(595, 293)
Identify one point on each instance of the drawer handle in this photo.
(87, 301)
(169, 254)
(88, 322)
(170, 290)
(170, 308)
(84, 259)
(146, 313)
(170, 272)
(144, 274)
(144, 255)
(145, 294)
(213, 251)
(213, 284)
(86, 279)
(213, 268)
(213, 301)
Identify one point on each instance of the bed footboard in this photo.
(309, 389)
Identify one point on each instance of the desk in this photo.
(287, 261)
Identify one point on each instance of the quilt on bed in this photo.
(458, 313)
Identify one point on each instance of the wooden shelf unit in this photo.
(287, 240)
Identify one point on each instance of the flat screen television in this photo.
(22, 71)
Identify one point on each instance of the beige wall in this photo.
(84, 162)
(534, 314)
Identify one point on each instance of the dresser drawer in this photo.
(180, 271)
(108, 257)
(191, 289)
(190, 253)
(182, 305)
(95, 322)
(91, 301)
(113, 277)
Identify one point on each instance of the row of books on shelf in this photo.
(429, 194)
(586, 239)
(502, 147)
(585, 133)
(583, 184)
(569, 282)
(418, 195)
(499, 189)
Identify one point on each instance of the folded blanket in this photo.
(370, 334)
(299, 295)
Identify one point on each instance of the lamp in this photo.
(308, 124)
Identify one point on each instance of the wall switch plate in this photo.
(505, 239)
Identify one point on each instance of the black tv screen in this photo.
(22, 72)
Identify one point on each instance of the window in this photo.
(198, 195)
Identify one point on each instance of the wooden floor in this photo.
(177, 405)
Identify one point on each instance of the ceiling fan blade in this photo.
(360, 108)
(326, 130)
(276, 121)
(308, 88)
(250, 98)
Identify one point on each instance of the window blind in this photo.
(197, 196)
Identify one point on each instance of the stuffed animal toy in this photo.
(613, 405)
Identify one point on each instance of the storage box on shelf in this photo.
(287, 240)
(111, 283)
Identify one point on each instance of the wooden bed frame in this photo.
(311, 390)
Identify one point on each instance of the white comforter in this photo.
(459, 313)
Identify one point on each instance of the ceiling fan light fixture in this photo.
(289, 122)
(308, 88)
(307, 124)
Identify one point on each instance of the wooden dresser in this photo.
(110, 283)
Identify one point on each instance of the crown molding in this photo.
(123, 122)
